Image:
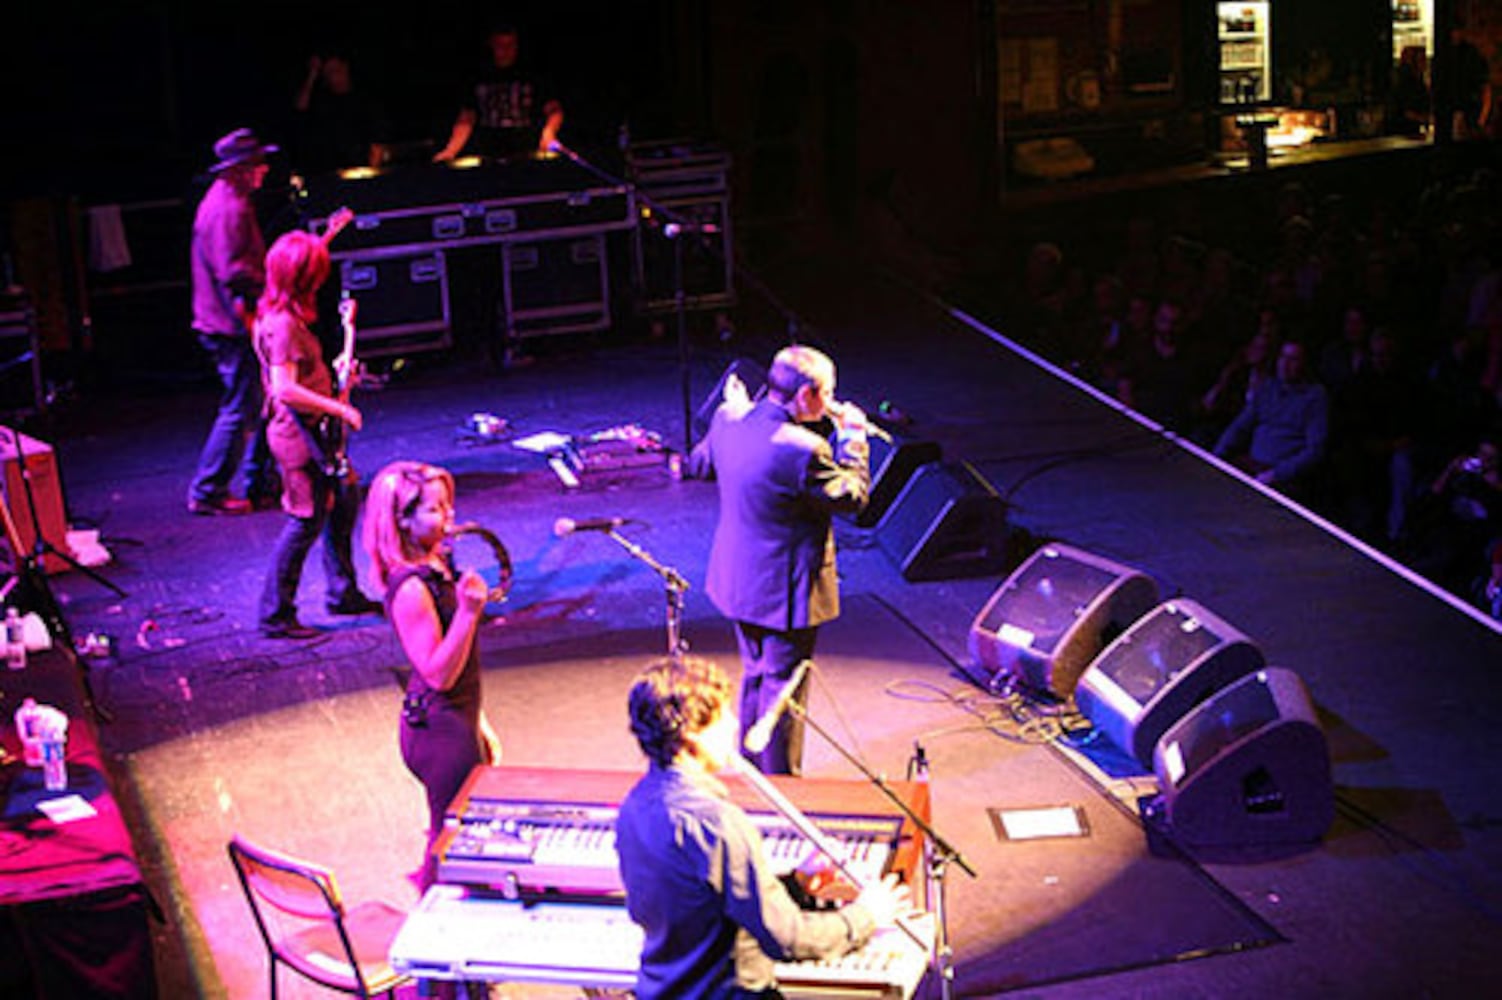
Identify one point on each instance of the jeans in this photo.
(335, 506)
(236, 445)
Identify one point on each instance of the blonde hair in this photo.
(394, 495)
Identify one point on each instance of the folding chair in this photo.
(304, 923)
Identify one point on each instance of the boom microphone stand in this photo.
(675, 587)
(938, 853)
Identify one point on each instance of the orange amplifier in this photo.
(46, 491)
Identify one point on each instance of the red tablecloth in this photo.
(73, 907)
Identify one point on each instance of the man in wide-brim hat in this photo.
(228, 270)
(240, 147)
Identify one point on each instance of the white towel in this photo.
(108, 249)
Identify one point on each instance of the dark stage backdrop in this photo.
(133, 94)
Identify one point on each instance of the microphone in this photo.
(760, 733)
(567, 525)
(557, 147)
(837, 408)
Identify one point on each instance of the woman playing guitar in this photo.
(319, 496)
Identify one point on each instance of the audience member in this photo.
(1459, 520)
(1180, 276)
(1251, 367)
(1408, 109)
(1343, 357)
(1121, 343)
(1139, 265)
(1095, 341)
(1456, 400)
(1218, 308)
(1462, 85)
(1042, 319)
(1281, 434)
(1161, 379)
(1378, 420)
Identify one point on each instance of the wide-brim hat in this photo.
(240, 146)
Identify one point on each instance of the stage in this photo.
(217, 731)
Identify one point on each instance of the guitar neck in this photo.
(345, 373)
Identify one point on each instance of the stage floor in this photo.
(217, 731)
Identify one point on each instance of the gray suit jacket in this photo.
(772, 562)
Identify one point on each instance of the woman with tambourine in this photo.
(436, 611)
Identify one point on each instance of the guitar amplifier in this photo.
(42, 477)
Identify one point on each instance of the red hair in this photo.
(297, 265)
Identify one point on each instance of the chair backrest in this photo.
(288, 896)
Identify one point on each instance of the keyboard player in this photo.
(696, 875)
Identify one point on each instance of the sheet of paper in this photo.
(66, 808)
(1046, 821)
(542, 442)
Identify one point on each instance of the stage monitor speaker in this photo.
(946, 522)
(753, 375)
(1173, 658)
(892, 466)
(1249, 766)
(1053, 615)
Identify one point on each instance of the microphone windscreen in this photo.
(563, 526)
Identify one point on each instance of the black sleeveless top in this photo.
(464, 697)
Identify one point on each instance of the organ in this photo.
(529, 889)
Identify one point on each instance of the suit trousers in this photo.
(768, 660)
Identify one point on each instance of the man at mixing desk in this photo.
(506, 111)
(696, 875)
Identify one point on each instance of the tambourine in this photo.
(495, 552)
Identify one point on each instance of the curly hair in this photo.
(394, 495)
(672, 699)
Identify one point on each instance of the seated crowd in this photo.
(1354, 364)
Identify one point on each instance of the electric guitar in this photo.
(332, 432)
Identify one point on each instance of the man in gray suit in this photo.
(772, 562)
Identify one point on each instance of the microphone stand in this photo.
(938, 853)
(675, 586)
(31, 571)
(673, 226)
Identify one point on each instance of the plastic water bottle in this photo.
(54, 763)
(27, 727)
(15, 640)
